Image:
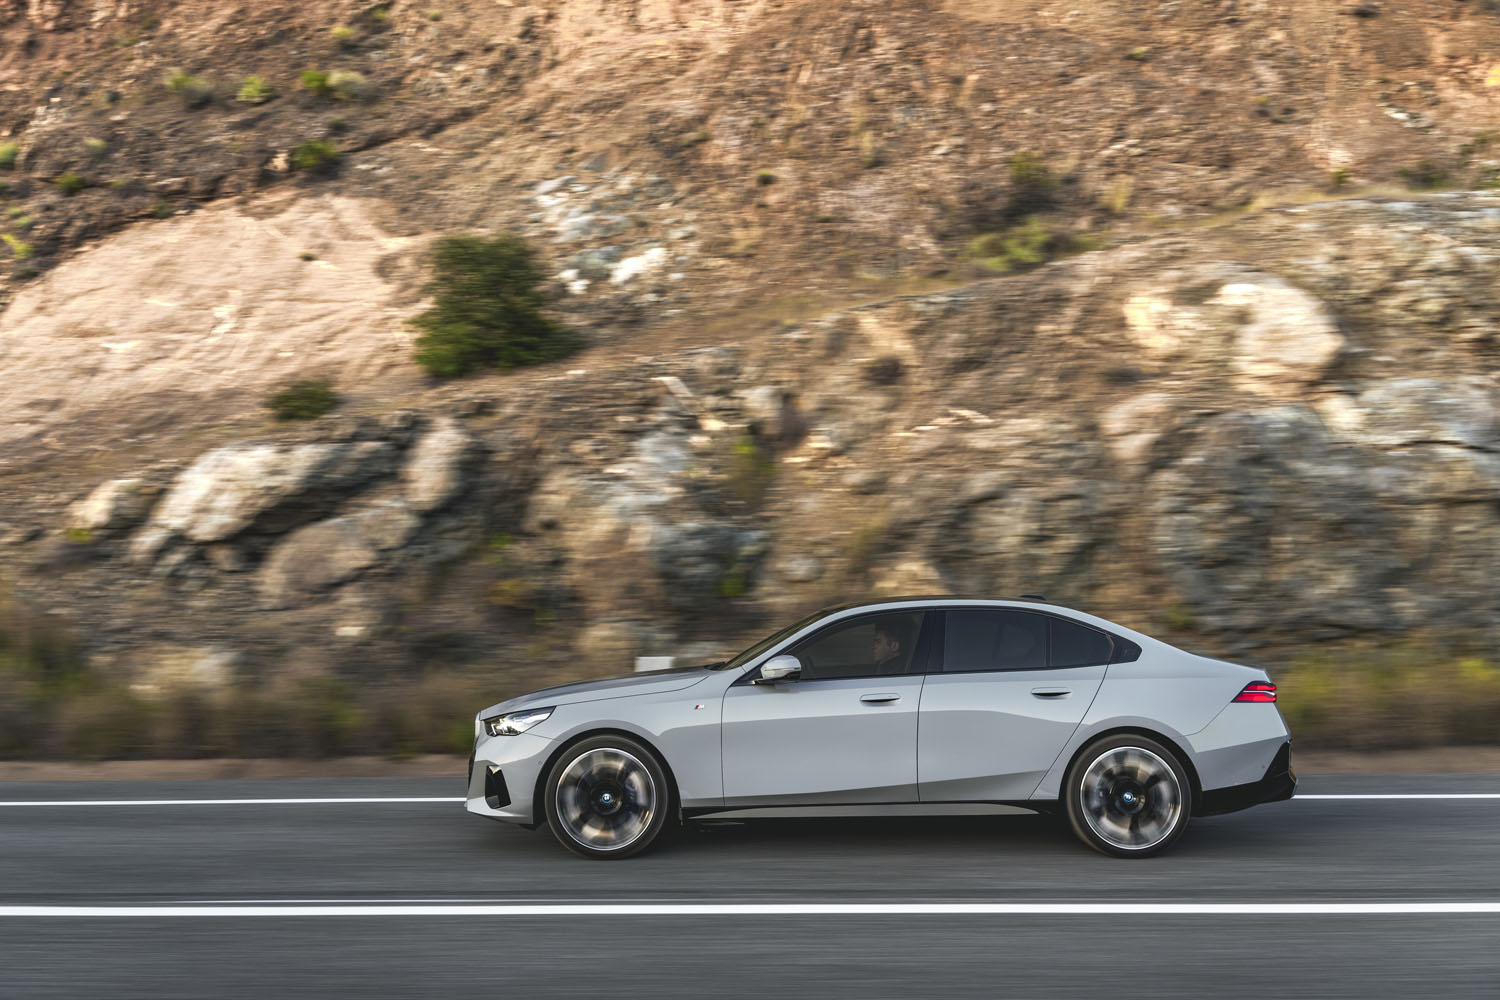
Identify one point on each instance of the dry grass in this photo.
(1401, 696)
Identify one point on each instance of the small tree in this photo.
(487, 309)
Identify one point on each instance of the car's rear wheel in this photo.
(1128, 796)
(607, 797)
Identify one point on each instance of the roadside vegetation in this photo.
(55, 705)
(308, 399)
(487, 310)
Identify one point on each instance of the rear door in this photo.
(1005, 692)
(844, 732)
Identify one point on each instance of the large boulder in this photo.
(319, 557)
(263, 487)
(1286, 337)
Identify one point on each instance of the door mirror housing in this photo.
(780, 668)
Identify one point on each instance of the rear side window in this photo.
(1075, 645)
(994, 640)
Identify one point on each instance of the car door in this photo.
(845, 731)
(1006, 690)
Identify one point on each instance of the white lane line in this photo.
(1419, 795)
(1486, 907)
(227, 802)
(452, 799)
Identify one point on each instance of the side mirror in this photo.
(780, 668)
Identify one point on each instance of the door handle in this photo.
(1047, 692)
(876, 699)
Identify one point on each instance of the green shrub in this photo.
(343, 35)
(1116, 199)
(194, 91)
(1138, 54)
(487, 309)
(347, 85)
(1017, 248)
(70, 183)
(869, 150)
(340, 84)
(254, 90)
(305, 400)
(316, 156)
(1032, 186)
(8, 153)
(19, 248)
(1025, 245)
(764, 177)
(315, 81)
(1425, 176)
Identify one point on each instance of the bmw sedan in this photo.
(934, 701)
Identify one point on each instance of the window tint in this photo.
(1125, 651)
(994, 640)
(1075, 645)
(869, 646)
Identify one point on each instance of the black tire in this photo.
(1128, 796)
(608, 797)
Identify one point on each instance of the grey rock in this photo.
(269, 487)
(798, 569)
(388, 525)
(596, 265)
(313, 559)
(866, 482)
(434, 471)
(116, 505)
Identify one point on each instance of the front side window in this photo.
(868, 646)
(994, 640)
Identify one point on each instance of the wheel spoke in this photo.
(606, 799)
(1131, 798)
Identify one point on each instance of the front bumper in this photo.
(1277, 785)
(503, 776)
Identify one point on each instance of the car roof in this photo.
(927, 600)
(958, 600)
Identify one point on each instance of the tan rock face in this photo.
(195, 312)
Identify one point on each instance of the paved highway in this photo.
(173, 896)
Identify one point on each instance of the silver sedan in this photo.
(932, 701)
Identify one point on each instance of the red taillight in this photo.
(1257, 691)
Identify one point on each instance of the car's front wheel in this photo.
(607, 797)
(1128, 796)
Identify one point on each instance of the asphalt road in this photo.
(362, 858)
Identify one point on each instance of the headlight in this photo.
(515, 722)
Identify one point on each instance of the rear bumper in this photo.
(1277, 785)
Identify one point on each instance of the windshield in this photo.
(768, 642)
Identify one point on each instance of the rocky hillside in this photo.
(1256, 427)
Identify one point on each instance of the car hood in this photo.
(611, 687)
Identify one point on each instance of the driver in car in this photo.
(888, 647)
